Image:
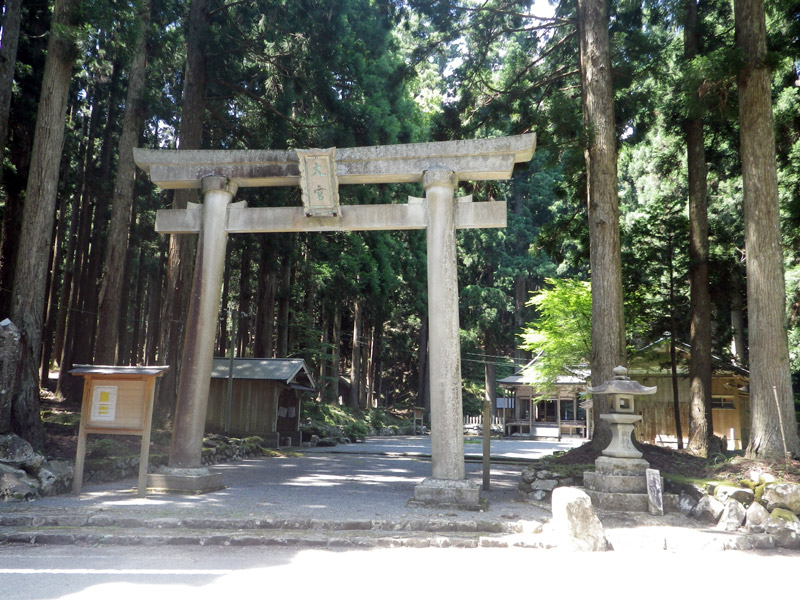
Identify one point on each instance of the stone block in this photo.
(614, 483)
(458, 493)
(185, 481)
(628, 467)
(618, 501)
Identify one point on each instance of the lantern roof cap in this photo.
(622, 384)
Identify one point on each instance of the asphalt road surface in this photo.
(122, 573)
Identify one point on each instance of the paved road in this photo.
(373, 480)
(199, 573)
(511, 448)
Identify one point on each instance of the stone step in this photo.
(615, 483)
(433, 525)
(273, 537)
(626, 502)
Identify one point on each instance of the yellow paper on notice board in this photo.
(104, 403)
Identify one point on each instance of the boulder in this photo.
(10, 353)
(782, 495)
(756, 518)
(528, 474)
(708, 509)
(743, 495)
(686, 502)
(733, 515)
(575, 523)
(16, 485)
(544, 484)
(16, 452)
(55, 477)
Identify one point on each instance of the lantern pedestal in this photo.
(619, 481)
(621, 445)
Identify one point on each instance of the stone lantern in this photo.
(622, 418)
(620, 479)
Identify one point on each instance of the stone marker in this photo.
(655, 497)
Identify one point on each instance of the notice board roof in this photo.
(156, 370)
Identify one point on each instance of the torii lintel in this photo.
(473, 160)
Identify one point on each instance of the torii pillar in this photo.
(439, 166)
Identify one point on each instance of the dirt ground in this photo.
(730, 466)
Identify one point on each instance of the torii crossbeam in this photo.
(439, 166)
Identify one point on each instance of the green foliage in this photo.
(356, 431)
(561, 335)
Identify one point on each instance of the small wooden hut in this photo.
(258, 396)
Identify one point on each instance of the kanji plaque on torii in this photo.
(439, 166)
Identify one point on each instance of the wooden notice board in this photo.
(116, 400)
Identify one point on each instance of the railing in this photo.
(479, 420)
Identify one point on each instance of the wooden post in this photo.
(487, 436)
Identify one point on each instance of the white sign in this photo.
(104, 403)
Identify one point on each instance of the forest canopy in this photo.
(87, 279)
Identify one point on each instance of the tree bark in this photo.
(700, 424)
(265, 309)
(771, 400)
(355, 357)
(12, 10)
(284, 304)
(27, 305)
(336, 342)
(122, 203)
(423, 385)
(180, 265)
(244, 300)
(608, 323)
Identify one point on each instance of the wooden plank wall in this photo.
(658, 413)
(254, 409)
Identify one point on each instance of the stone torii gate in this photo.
(219, 173)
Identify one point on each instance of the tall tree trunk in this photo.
(336, 346)
(244, 299)
(738, 345)
(489, 373)
(153, 308)
(180, 266)
(700, 425)
(284, 303)
(265, 303)
(324, 361)
(12, 10)
(673, 334)
(355, 356)
(56, 276)
(376, 384)
(608, 322)
(27, 305)
(423, 385)
(771, 400)
(134, 347)
(122, 203)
